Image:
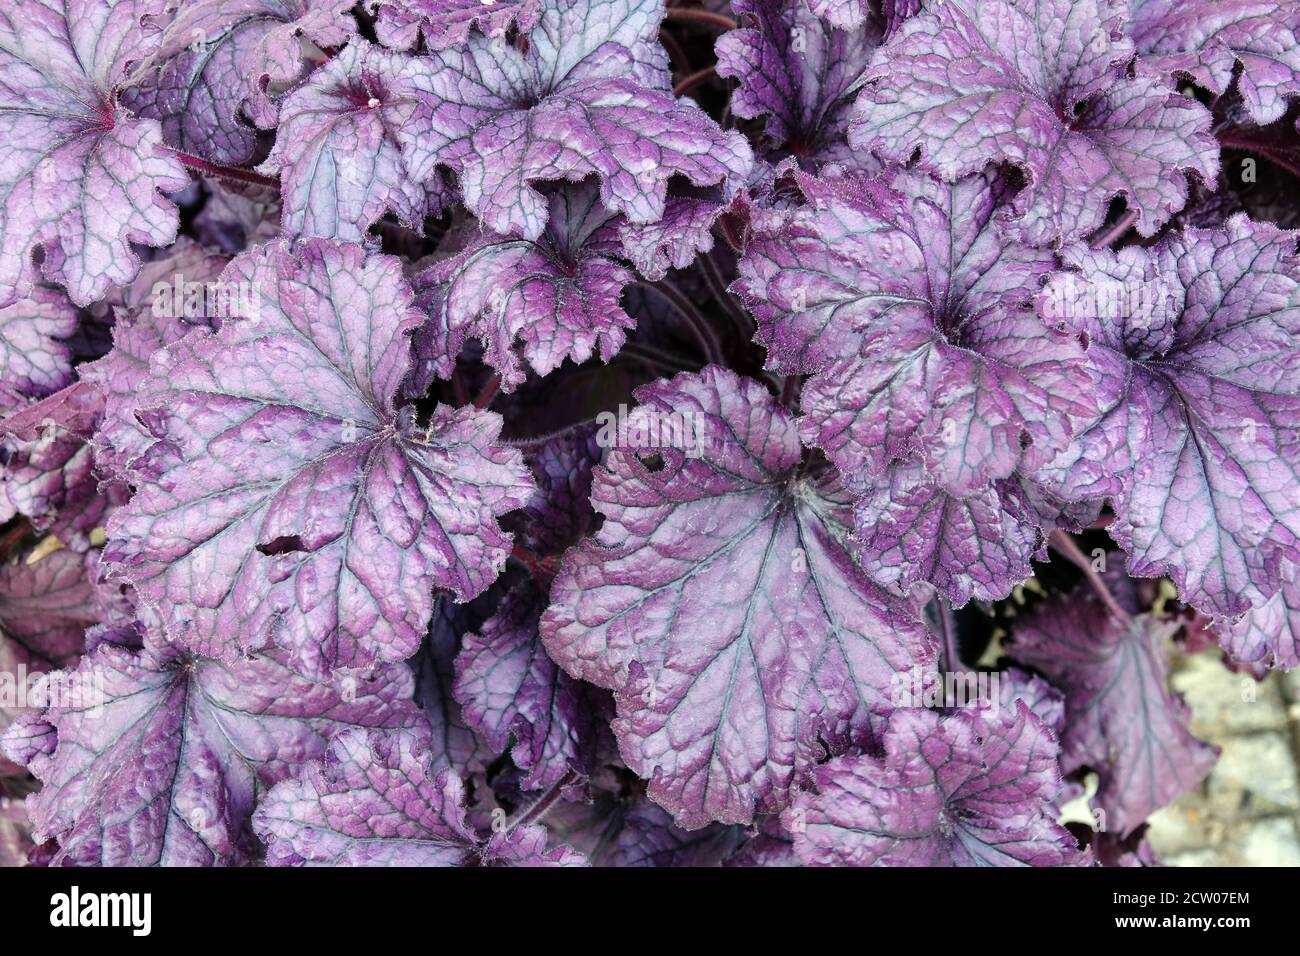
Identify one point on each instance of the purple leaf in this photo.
(1043, 700)
(527, 846)
(216, 63)
(907, 305)
(798, 72)
(1206, 40)
(28, 736)
(336, 150)
(1039, 84)
(842, 14)
(769, 846)
(233, 221)
(557, 296)
(287, 500)
(590, 96)
(371, 802)
(559, 512)
(910, 530)
(1197, 341)
(454, 743)
(1270, 633)
(684, 232)
(34, 359)
(512, 691)
(1121, 719)
(15, 833)
(79, 177)
(447, 23)
(48, 471)
(638, 833)
(947, 791)
(45, 607)
(154, 324)
(718, 601)
(164, 768)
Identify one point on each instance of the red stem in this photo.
(490, 389)
(948, 636)
(699, 325)
(701, 16)
(1064, 545)
(544, 803)
(789, 391)
(690, 81)
(224, 172)
(1259, 149)
(676, 56)
(718, 287)
(1108, 236)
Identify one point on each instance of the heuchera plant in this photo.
(602, 432)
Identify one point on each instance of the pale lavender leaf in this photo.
(947, 791)
(336, 151)
(683, 233)
(162, 761)
(527, 846)
(287, 501)
(1270, 633)
(34, 358)
(908, 529)
(1041, 85)
(1198, 342)
(591, 95)
(543, 300)
(216, 56)
(447, 23)
(80, 178)
(907, 302)
(717, 600)
(842, 14)
(1207, 40)
(371, 802)
(179, 283)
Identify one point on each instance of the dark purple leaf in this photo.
(47, 466)
(519, 699)
(797, 72)
(1121, 720)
